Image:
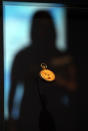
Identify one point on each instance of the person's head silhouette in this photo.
(43, 30)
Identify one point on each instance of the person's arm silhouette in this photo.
(15, 79)
(66, 72)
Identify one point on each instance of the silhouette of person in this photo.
(25, 70)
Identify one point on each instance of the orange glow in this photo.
(47, 75)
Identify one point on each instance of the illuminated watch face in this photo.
(47, 75)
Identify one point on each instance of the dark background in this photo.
(77, 33)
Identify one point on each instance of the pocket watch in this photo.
(46, 74)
